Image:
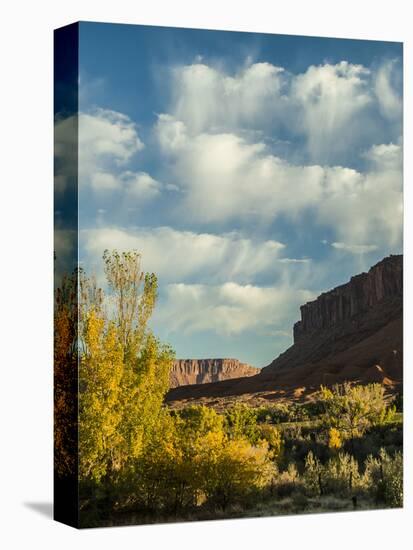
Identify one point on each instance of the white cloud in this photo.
(334, 107)
(390, 102)
(365, 207)
(229, 308)
(385, 156)
(294, 260)
(355, 248)
(103, 181)
(331, 100)
(137, 185)
(206, 280)
(97, 144)
(106, 135)
(183, 255)
(141, 185)
(225, 178)
(207, 98)
(107, 142)
(172, 134)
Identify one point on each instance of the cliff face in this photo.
(362, 293)
(201, 371)
(345, 316)
(353, 332)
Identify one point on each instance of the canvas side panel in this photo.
(66, 70)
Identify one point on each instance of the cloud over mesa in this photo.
(229, 308)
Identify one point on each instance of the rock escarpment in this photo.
(345, 316)
(353, 332)
(362, 293)
(201, 371)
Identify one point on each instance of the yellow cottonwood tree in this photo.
(124, 370)
(100, 403)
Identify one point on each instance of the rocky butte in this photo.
(353, 332)
(363, 292)
(201, 371)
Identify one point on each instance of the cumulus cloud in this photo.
(208, 281)
(108, 140)
(206, 98)
(229, 308)
(171, 133)
(137, 185)
(184, 255)
(103, 181)
(335, 108)
(97, 144)
(106, 136)
(141, 185)
(385, 156)
(225, 178)
(390, 101)
(331, 102)
(365, 207)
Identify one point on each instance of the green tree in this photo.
(384, 475)
(241, 421)
(352, 409)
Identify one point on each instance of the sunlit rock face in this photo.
(384, 280)
(353, 332)
(201, 371)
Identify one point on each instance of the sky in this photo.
(251, 171)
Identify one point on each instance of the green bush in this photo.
(241, 421)
(312, 477)
(287, 482)
(341, 475)
(384, 475)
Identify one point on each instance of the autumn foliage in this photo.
(139, 459)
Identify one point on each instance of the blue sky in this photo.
(252, 172)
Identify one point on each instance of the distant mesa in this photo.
(202, 371)
(353, 332)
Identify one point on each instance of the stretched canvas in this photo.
(228, 275)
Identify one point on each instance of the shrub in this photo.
(234, 471)
(272, 436)
(341, 475)
(352, 409)
(313, 475)
(385, 477)
(287, 482)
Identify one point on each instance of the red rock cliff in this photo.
(353, 332)
(201, 371)
(361, 293)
